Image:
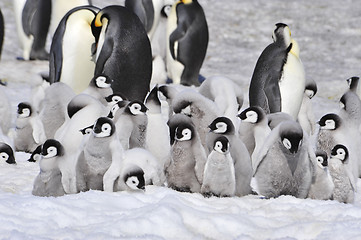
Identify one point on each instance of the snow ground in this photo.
(329, 35)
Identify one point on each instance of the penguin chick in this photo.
(285, 164)
(169, 92)
(322, 186)
(254, 128)
(131, 178)
(7, 153)
(48, 182)
(97, 155)
(36, 155)
(219, 176)
(29, 132)
(201, 110)
(306, 117)
(99, 88)
(188, 157)
(344, 190)
(351, 109)
(223, 126)
(113, 99)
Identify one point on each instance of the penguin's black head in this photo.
(330, 121)
(7, 153)
(282, 34)
(87, 130)
(101, 81)
(222, 125)
(321, 157)
(135, 179)
(311, 89)
(97, 24)
(24, 109)
(340, 151)
(184, 132)
(353, 83)
(173, 123)
(221, 144)
(52, 148)
(104, 127)
(115, 98)
(291, 135)
(35, 156)
(136, 107)
(152, 97)
(182, 108)
(254, 114)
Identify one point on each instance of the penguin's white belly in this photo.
(292, 85)
(78, 67)
(175, 68)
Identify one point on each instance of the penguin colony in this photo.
(111, 120)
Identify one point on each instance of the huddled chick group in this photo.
(113, 134)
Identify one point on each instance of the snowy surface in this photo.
(329, 35)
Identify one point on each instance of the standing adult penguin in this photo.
(187, 32)
(123, 51)
(33, 20)
(278, 80)
(71, 59)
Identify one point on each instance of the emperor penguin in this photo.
(254, 128)
(2, 31)
(53, 111)
(278, 80)
(7, 153)
(48, 182)
(187, 34)
(36, 154)
(123, 51)
(219, 173)
(344, 190)
(131, 123)
(322, 186)
(227, 95)
(334, 130)
(188, 157)
(286, 163)
(201, 110)
(71, 60)
(157, 135)
(29, 132)
(113, 99)
(223, 126)
(306, 117)
(97, 155)
(99, 88)
(33, 20)
(169, 92)
(354, 85)
(144, 10)
(59, 8)
(82, 111)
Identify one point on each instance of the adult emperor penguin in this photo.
(97, 155)
(187, 33)
(223, 126)
(306, 117)
(219, 174)
(157, 135)
(322, 186)
(188, 157)
(83, 110)
(7, 153)
(53, 107)
(286, 162)
(226, 94)
(33, 20)
(201, 110)
(344, 190)
(48, 182)
(29, 132)
(254, 128)
(71, 58)
(278, 80)
(123, 51)
(59, 8)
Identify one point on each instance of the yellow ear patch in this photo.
(187, 1)
(98, 22)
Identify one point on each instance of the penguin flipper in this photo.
(29, 11)
(105, 53)
(273, 94)
(56, 54)
(177, 34)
